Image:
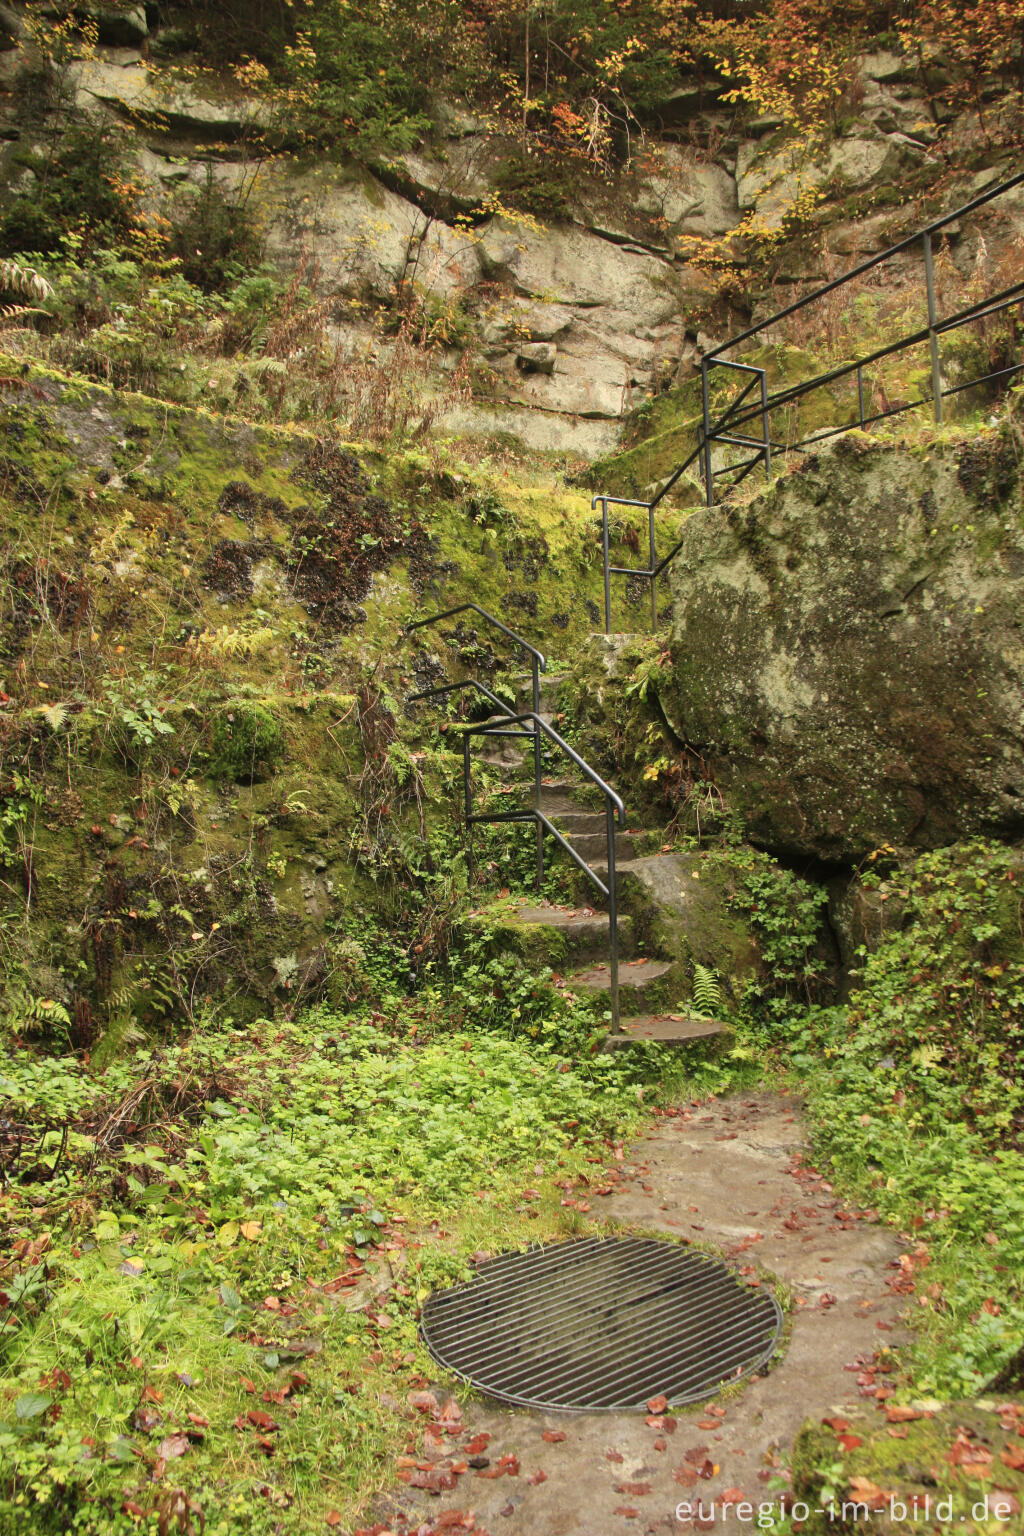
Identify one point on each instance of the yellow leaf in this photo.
(250, 1230)
(228, 1234)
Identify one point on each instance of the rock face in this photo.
(848, 650)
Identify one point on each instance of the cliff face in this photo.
(570, 319)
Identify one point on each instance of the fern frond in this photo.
(17, 278)
(707, 991)
(55, 715)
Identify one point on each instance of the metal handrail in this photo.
(537, 666)
(872, 261)
(726, 428)
(506, 721)
(449, 613)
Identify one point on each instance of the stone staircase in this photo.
(575, 941)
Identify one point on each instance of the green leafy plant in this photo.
(707, 992)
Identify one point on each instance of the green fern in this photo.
(707, 992)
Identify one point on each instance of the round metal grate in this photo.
(603, 1324)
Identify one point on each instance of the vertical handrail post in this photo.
(765, 434)
(705, 434)
(537, 770)
(933, 335)
(651, 568)
(467, 790)
(607, 563)
(613, 916)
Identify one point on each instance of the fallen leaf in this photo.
(903, 1415)
(657, 1404)
(638, 1490)
(864, 1491)
(477, 1444)
(536, 1478)
(437, 1480)
(553, 1436)
(1013, 1457)
(250, 1230)
(627, 1511)
(174, 1445)
(260, 1420)
(850, 1442)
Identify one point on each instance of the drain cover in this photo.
(602, 1323)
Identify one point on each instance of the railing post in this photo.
(654, 578)
(766, 435)
(705, 435)
(860, 395)
(933, 337)
(607, 563)
(537, 769)
(613, 915)
(467, 790)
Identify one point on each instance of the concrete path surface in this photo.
(731, 1173)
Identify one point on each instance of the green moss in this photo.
(248, 742)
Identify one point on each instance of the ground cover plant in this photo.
(217, 1251)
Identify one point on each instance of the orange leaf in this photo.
(867, 1492)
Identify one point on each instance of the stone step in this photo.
(642, 983)
(554, 935)
(667, 1029)
(569, 796)
(507, 756)
(593, 847)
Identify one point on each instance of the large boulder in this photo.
(848, 649)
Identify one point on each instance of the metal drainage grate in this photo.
(602, 1323)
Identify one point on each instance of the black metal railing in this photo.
(537, 666)
(528, 725)
(727, 431)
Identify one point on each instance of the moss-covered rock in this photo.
(847, 651)
(247, 743)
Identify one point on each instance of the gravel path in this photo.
(730, 1173)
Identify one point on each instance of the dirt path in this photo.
(729, 1173)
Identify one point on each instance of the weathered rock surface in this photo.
(126, 87)
(848, 650)
(769, 180)
(692, 196)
